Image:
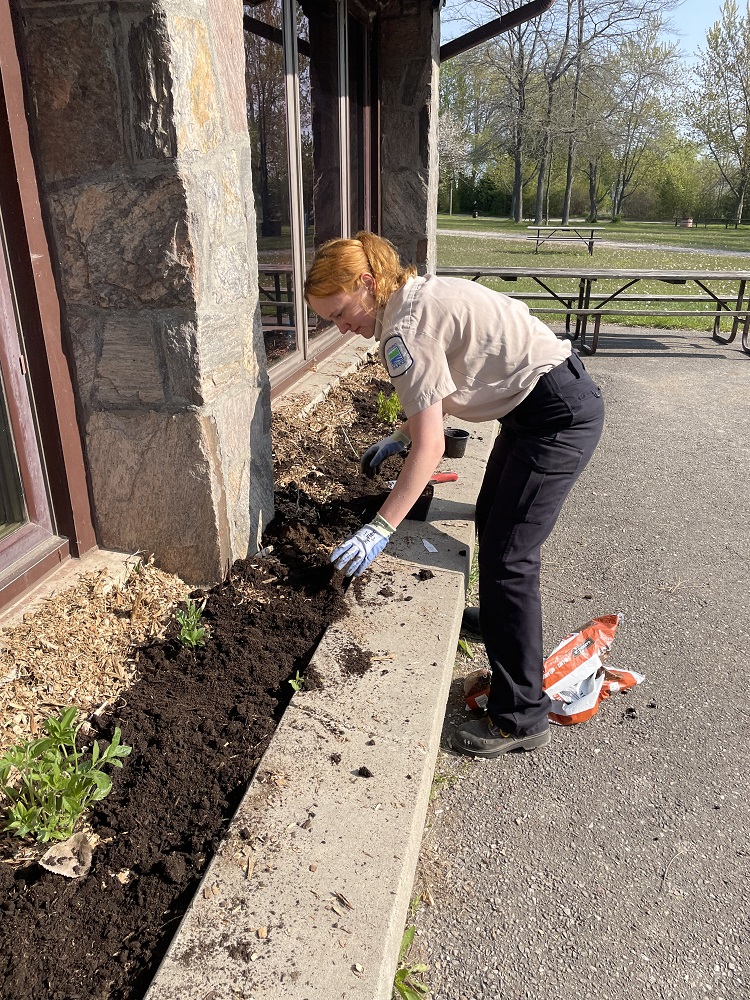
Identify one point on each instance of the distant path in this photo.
(617, 244)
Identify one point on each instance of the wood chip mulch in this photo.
(78, 646)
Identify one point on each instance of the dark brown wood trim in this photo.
(30, 569)
(39, 305)
(520, 15)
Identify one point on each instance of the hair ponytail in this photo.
(339, 265)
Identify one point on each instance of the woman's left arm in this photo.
(427, 445)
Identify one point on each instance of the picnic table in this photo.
(275, 286)
(563, 234)
(571, 291)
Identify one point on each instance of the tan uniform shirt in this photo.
(453, 339)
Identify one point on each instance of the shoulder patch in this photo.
(396, 356)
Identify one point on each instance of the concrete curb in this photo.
(307, 896)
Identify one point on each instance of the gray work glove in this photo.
(356, 553)
(370, 461)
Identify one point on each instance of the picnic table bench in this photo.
(570, 292)
(566, 234)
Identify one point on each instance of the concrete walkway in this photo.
(616, 864)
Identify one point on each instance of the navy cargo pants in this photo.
(542, 448)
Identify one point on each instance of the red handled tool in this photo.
(439, 477)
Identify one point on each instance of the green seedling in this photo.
(405, 985)
(297, 682)
(465, 647)
(440, 782)
(192, 633)
(49, 782)
(389, 409)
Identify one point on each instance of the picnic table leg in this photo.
(277, 293)
(584, 297)
(745, 332)
(736, 319)
(594, 337)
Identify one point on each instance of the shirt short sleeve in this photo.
(416, 364)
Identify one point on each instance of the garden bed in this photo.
(199, 722)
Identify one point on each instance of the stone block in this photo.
(156, 489)
(179, 349)
(400, 141)
(219, 188)
(85, 339)
(230, 280)
(404, 202)
(220, 338)
(76, 94)
(151, 90)
(129, 372)
(225, 17)
(197, 109)
(123, 243)
(242, 421)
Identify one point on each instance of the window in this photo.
(307, 92)
(25, 514)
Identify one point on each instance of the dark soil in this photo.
(198, 722)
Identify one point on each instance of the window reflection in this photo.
(266, 116)
(12, 510)
(318, 133)
(319, 127)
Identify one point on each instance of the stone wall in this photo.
(409, 107)
(144, 161)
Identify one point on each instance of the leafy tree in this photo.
(642, 72)
(719, 105)
(453, 148)
(677, 180)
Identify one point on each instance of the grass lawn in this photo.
(655, 246)
(713, 237)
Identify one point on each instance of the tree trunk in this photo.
(549, 181)
(740, 202)
(539, 205)
(568, 181)
(593, 205)
(517, 204)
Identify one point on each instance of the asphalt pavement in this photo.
(615, 865)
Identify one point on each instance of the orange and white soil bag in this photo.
(575, 677)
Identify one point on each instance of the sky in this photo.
(692, 18)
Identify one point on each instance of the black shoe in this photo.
(470, 627)
(481, 738)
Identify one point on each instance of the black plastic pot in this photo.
(421, 508)
(455, 442)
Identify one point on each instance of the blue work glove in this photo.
(377, 453)
(357, 552)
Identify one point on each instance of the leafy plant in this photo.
(192, 633)
(389, 409)
(297, 682)
(465, 647)
(441, 782)
(53, 782)
(405, 985)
